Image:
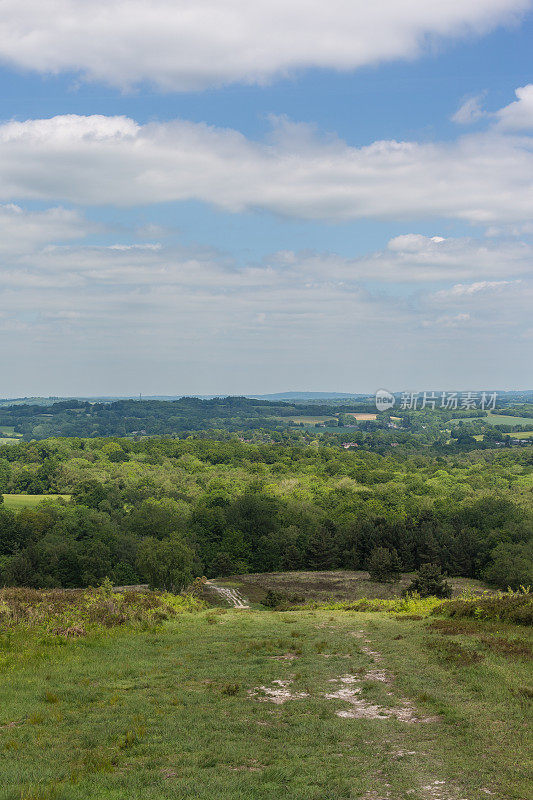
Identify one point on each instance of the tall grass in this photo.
(410, 604)
(75, 612)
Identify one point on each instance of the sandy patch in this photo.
(284, 657)
(359, 708)
(277, 694)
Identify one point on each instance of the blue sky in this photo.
(196, 227)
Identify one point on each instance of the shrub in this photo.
(281, 600)
(429, 582)
(71, 612)
(384, 565)
(510, 607)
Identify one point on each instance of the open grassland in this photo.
(331, 585)
(260, 705)
(17, 501)
(9, 430)
(8, 440)
(306, 419)
(495, 419)
(502, 419)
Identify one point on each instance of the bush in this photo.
(515, 608)
(429, 582)
(384, 565)
(280, 600)
(72, 612)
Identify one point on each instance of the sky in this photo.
(225, 197)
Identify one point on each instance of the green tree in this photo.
(384, 565)
(429, 582)
(168, 564)
(512, 566)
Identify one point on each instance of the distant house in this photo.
(347, 445)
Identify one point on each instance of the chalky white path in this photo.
(233, 596)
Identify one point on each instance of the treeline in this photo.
(162, 511)
(151, 417)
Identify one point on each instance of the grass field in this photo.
(18, 501)
(8, 440)
(306, 420)
(501, 419)
(496, 419)
(333, 585)
(261, 705)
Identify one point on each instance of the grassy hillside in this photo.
(18, 501)
(302, 705)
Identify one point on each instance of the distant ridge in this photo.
(309, 396)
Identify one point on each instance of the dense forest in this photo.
(163, 510)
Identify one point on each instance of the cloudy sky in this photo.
(225, 196)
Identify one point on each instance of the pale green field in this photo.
(495, 419)
(18, 501)
(8, 440)
(501, 419)
(304, 419)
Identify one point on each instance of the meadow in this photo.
(17, 501)
(333, 585)
(218, 704)
(496, 419)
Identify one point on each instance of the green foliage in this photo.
(167, 564)
(512, 565)
(231, 507)
(73, 613)
(429, 582)
(514, 607)
(384, 565)
(409, 605)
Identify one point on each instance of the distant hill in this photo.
(302, 397)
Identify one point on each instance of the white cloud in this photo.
(22, 230)
(132, 309)
(518, 116)
(182, 45)
(481, 178)
(469, 111)
(462, 289)
(414, 258)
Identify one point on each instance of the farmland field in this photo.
(258, 705)
(8, 440)
(501, 419)
(362, 416)
(18, 501)
(495, 419)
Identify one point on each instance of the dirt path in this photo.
(233, 596)
(349, 691)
